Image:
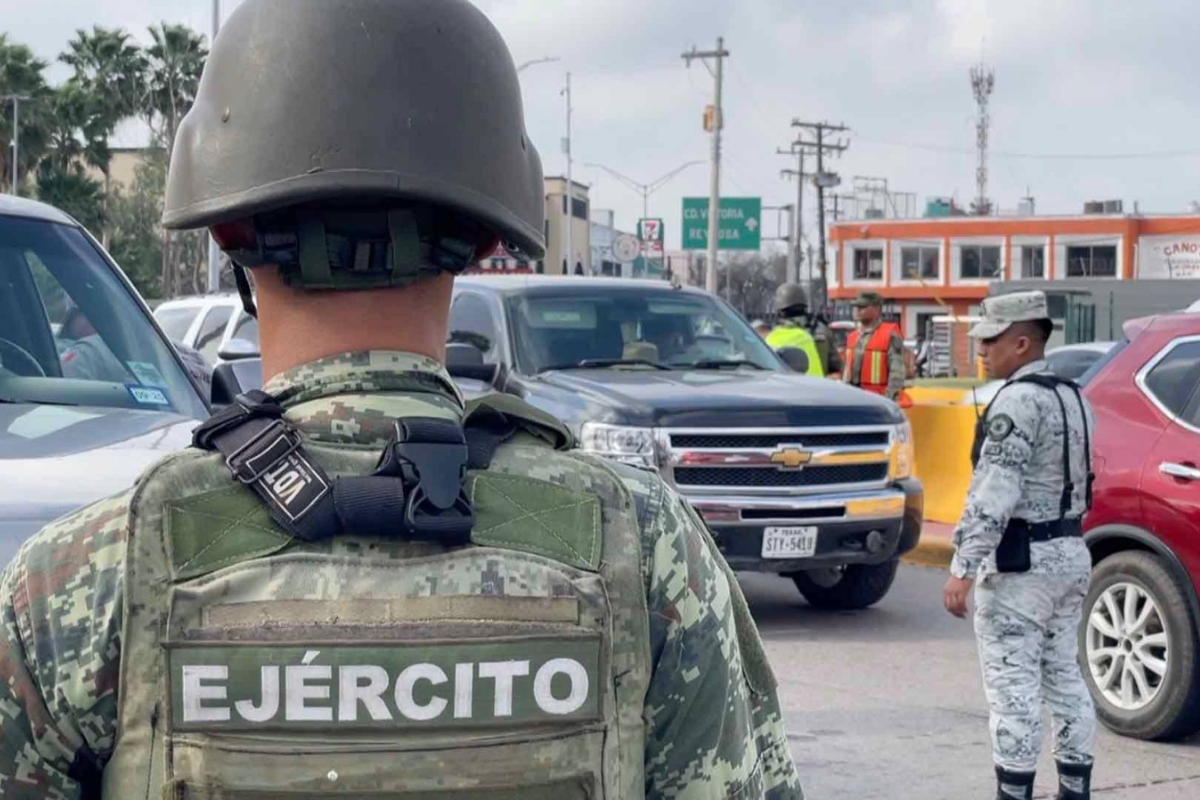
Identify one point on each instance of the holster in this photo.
(1013, 554)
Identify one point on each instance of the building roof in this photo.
(969, 219)
(12, 206)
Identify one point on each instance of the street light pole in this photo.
(214, 250)
(645, 189)
(570, 198)
(528, 64)
(16, 99)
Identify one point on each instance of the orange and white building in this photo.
(948, 265)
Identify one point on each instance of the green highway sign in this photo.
(740, 226)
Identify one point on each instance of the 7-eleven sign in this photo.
(650, 231)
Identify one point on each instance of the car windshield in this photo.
(72, 334)
(632, 328)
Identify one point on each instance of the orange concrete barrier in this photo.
(943, 421)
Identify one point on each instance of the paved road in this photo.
(888, 703)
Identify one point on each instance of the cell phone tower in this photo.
(983, 81)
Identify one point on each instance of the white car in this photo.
(214, 325)
(1070, 361)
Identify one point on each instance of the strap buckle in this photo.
(275, 442)
(432, 457)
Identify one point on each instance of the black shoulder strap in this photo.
(1087, 445)
(1052, 382)
(416, 492)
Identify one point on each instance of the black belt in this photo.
(1048, 531)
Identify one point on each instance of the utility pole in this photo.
(718, 122)
(16, 100)
(214, 251)
(824, 181)
(570, 202)
(796, 251)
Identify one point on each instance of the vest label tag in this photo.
(399, 686)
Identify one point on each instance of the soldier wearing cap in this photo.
(875, 358)
(1020, 545)
(355, 584)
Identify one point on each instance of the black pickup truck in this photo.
(799, 476)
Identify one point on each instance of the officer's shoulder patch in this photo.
(1000, 427)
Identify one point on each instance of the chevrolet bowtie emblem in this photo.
(791, 458)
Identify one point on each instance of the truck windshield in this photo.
(72, 334)
(620, 327)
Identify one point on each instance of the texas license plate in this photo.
(798, 542)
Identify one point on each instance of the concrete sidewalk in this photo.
(936, 547)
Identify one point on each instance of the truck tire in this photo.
(860, 586)
(1122, 671)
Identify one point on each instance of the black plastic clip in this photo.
(432, 458)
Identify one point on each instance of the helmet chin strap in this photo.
(243, 286)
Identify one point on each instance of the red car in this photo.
(1139, 642)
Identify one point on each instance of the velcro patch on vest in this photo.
(490, 683)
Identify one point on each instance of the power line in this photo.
(824, 180)
(964, 151)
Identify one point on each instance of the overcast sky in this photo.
(1073, 78)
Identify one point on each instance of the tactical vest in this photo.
(259, 665)
(793, 335)
(873, 370)
(1012, 554)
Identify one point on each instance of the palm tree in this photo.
(175, 62)
(21, 74)
(112, 70)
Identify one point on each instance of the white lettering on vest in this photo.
(195, 693)
(299, 691)
(503, 672)
(464, 690)
(352, 691)
(268, 706)
(543, 694)
(408, 706)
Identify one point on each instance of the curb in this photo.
(931, 551)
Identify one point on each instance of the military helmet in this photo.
(358, 143)
(789, 296)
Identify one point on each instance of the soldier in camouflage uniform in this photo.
(1021, 539)
(543, 625)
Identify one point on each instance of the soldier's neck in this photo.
(301, 327)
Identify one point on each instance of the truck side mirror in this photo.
(238, 349)
(463, 354)
(233, 378)
(795, 358)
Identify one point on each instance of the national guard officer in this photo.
(875, 358)
(352, 584)
(800, 329)
(1021, 538)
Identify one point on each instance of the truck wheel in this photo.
(849, 588)
(1139, 648)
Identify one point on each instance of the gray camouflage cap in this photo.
(1002, 312)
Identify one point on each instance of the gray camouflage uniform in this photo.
(1027, 623)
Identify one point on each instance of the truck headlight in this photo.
(620, 443)
(903, 452)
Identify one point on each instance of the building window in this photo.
(868, 265)
(579, 208)
(1033, 261)
(1088, 261)
(980, 262)
(919, 263)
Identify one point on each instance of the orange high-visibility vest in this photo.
(873, 371)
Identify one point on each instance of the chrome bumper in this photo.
(758, 510)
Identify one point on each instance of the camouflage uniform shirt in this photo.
(1020, 475)
(709, 734)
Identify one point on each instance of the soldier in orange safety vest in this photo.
(875, 354)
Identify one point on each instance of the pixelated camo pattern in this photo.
(1020, 475)
(707, 735)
